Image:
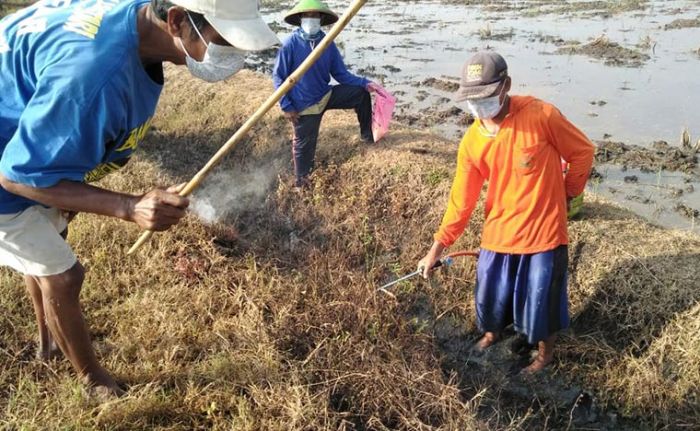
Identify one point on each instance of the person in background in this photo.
(305, 104)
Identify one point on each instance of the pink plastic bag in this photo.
(382, 113)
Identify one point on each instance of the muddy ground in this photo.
(611, 52)
(682, 23)
(502, 363)
(661, 156)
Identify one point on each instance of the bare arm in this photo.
(155, 210)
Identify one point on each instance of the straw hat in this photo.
(328, 17)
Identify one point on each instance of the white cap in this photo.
(237, 21)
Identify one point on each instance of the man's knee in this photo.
(67, 283)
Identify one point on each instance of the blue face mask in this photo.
(487, 108)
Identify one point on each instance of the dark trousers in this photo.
(307, 126)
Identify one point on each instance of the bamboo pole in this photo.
(266, 106)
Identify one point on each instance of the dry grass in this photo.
(10, 6)
(270, 321)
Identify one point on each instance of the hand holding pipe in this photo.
(447, 261)
(266, 106)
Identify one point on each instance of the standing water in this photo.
(627, 72)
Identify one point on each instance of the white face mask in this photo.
(219, 62)
(311, 26)
(486, 109)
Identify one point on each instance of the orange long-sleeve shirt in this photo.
(526, 196)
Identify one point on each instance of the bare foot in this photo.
(48, 352)
(539, 364)
(102, 394)
(102, 386)
(488, 340)
(545, 354)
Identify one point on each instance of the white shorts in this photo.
(31, 242)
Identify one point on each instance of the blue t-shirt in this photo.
(75, 99)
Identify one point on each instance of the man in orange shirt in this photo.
(516, 144)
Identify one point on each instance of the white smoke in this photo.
(227, 193)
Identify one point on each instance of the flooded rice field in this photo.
(626, 72)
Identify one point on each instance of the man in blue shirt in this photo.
(79, 83)
(305, 104)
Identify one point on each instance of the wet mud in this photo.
(487, 33)
(552, 40)
(682, 23)
(612, 53)
(439, 84)
(431, 116)
(547, 391)
(687, 212)
(657, 181)
(661, 156)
